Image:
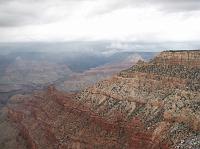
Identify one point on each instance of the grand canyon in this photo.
(99, 74)
(151, 104)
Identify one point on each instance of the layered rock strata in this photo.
(148, 106)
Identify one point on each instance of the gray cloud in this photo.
(29, 12)
(49, 20)
(161, 5)
(17, 13)
(178, 5)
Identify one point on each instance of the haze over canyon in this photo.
(99, 74)
(123, 99)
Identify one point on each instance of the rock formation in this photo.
(81, 81)
(152, 105)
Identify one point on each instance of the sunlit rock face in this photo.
(151, 105)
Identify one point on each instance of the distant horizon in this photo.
(100, 45)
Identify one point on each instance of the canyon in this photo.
(151, 105)
(24, 72)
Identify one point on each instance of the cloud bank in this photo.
(121, 20)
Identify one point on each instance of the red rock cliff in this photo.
(148, 106)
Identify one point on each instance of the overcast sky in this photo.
(118, 20)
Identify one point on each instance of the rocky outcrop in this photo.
(149, 106)
(52, 119)
(163, 94)
(79, 81)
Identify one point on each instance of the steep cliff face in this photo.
(148, 106)
(163, 94)
(52, 119)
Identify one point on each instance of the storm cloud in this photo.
(167, 6)
(136, 20)
(25, 12)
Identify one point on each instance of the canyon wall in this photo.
(151, 105)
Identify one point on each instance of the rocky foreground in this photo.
(154, 105)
